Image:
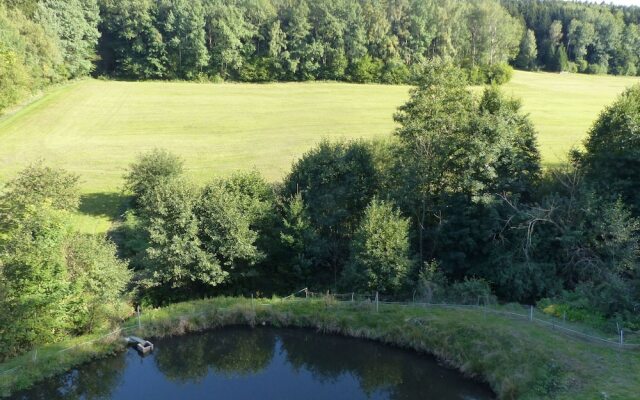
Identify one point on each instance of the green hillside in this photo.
(95, 128)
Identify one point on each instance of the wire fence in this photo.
(615, 336)
(375, 302)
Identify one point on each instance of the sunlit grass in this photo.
(96, 128)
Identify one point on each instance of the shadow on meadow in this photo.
(110, 204)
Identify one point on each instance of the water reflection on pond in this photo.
(264, 363)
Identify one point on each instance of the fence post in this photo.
(35, 355)
(306, 293)
(621, 337)
(531, 313)
(352, 299)
(377, 301)
(138, 311)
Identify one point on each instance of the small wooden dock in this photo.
(142, 346)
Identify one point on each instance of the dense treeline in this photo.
(48, 41)
(578, 37)
(44, 42)
(455, 203)
(362, 40)
(354, 40)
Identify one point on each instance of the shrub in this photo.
(395, 72)
(598, 69)
(256, 70)
(470, 291)
(380, 250)
(366, 70)
(150, 170)
(499, 74)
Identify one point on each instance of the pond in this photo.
(263, 363)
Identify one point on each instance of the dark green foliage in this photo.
(35, 280)
(231, 214)
(131, 45)
(151, 170)
(48, 41)
(594, 38)
(456, 151)
(527, 57)
(612, 151)
(337, 181)
(300, 248)
(181, 24)
(30, 56)
(98, 280)
(379, 251)
(75, 24)
(183, 240)
(53, 282)
(175, 256)
(358, 41)
(37, 185)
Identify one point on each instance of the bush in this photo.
(582, 65)
(379, 250)
(431, 282)
(470, 291)
(499, 74)
(476, 75)
(150, 170)
(598, 69)
(395, 72)
(98, 280)
(366, 70)
(256, 70)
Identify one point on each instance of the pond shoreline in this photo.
(512, 366)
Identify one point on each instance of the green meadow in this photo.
(95, 128)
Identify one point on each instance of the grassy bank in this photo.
(518, 359)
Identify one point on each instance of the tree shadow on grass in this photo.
(110, 204)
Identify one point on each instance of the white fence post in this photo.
(621, 337)
(352, 297)
(531, 314)
(138, 311)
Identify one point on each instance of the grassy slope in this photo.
(96, 128)
(517, 358)
(564, 106)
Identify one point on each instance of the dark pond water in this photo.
(263, 363)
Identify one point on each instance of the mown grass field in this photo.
(96, 128)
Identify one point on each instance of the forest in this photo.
(453, 207)
(43, 42)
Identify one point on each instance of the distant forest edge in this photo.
(49, 41)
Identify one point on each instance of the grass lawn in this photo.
(96, 128)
